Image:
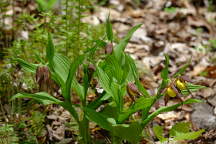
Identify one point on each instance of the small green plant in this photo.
(114, 73)
(36, 124)
(179, 132)
(8, 135)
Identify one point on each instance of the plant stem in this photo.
(84, 131)
(67, 27)
(79, 23)
(160, 110)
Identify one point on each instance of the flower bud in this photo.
(109, 48)
(132, 90)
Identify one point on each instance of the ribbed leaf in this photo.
(79, 89)
(165, 72)
(104, 80)
(182, 127)
(181, 131)
(71, 74)
(98, 118)
(167, 109)
(42, 97)
(114, 67)
(188, 136)
(136, 76)
(140, 104)
(192, 88)
(42, 5)
(50, 51)
(96, 103)
(123, 43)
(109, 31)
(130, 132)
(29, 67)
(45, 5)
(190, 101)
(61, 66)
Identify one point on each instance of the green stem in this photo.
(160, 110)
(79, 23)
(146, 110)
(67, 27)
(84, 131)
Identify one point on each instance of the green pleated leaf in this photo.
(45, 5)
(123, 43)
(109, 31)
(50, 51)
(140, 104)
(79, 89)
(98, 118)
(165, 71)
(181, 131)
(73, 68)
(61, 66)
(167, 109)
(42, 4)
(136, 76)
(182, 127)
(190, 101)
(104, 80)
(96, 103)
(114, 68)
(42, 97)
(29, 67)
(188, 136)
(130, 132)
(191, 88)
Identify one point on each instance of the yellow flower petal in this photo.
(170, 92)
(180, 85)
